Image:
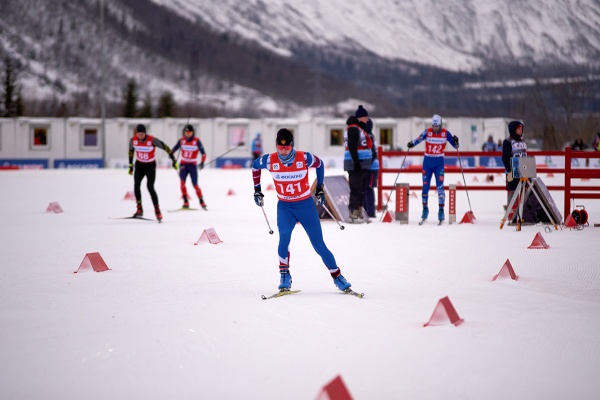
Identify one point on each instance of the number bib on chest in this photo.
(291, 182)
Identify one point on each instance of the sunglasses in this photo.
(283, 147)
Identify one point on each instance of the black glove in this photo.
(174, 163)
(320, 195)
(259, 197)
(201, 165)
(455, 140)
(130, 172)
(410, 145)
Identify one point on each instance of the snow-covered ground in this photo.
(179, 321)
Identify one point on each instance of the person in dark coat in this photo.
(513, 146)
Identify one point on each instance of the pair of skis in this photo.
(288, 292)
(425, 219)
(140, 218)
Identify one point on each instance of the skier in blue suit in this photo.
(435, 139)
(289, 169)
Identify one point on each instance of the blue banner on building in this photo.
(23, 163)
(83, 163)
(234, 162)
(467, 162)
(491, 162)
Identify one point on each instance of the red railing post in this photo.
(567, 183)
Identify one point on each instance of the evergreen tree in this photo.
(166, 105)
(146, 111)
(130, 100)
(10, 90)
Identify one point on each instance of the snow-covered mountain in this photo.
(450, 34)
(283, 57)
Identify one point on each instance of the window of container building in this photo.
(89, 137)
(386, 136)
(336, 137)
(40, 137)
(237, 135)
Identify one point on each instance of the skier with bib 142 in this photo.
(190, 146)
(435, 139)
(289, 169)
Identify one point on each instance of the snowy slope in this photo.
(178, 321)
(451, 34)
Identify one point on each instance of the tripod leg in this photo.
(520, 218)
(510, 205)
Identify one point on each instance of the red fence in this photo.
(570, 191)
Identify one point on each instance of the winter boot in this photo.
(356, 216)
(285, 283)
(158, 213)
(425, 213)
(441, 215)
(202, 203)
(139, 211)
(186, 204)
(341, 282)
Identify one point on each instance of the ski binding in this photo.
(279, 294)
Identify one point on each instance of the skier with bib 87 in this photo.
(289, 169)
(435, 139)
(190, 147)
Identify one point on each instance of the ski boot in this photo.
(139, 211)
(425, 213)
(186, 204)
(441, 215)
(340, 282)
(285, 283)
(202, 203)
(158, 213)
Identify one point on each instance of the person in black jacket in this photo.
(358, 156)
(513, 146)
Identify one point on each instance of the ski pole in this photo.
(342, 227)
(266, 219)
(463, 175)
(396, 180)
(228, 151)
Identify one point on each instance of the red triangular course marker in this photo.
(270, 187)
(230, 192)
(93, 261)
(387, 217)
(538, 242)
(335, 390)
(468, 218)
(54, 207)
(570, 222)
(129, 196)
(209, 235)
(507, 271)
(444, 312)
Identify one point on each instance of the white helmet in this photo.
(436, 120)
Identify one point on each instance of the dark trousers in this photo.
(147, 170)
(369, 190)
(357, 181)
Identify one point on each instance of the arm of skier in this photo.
(257, 166)
(418, 140)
